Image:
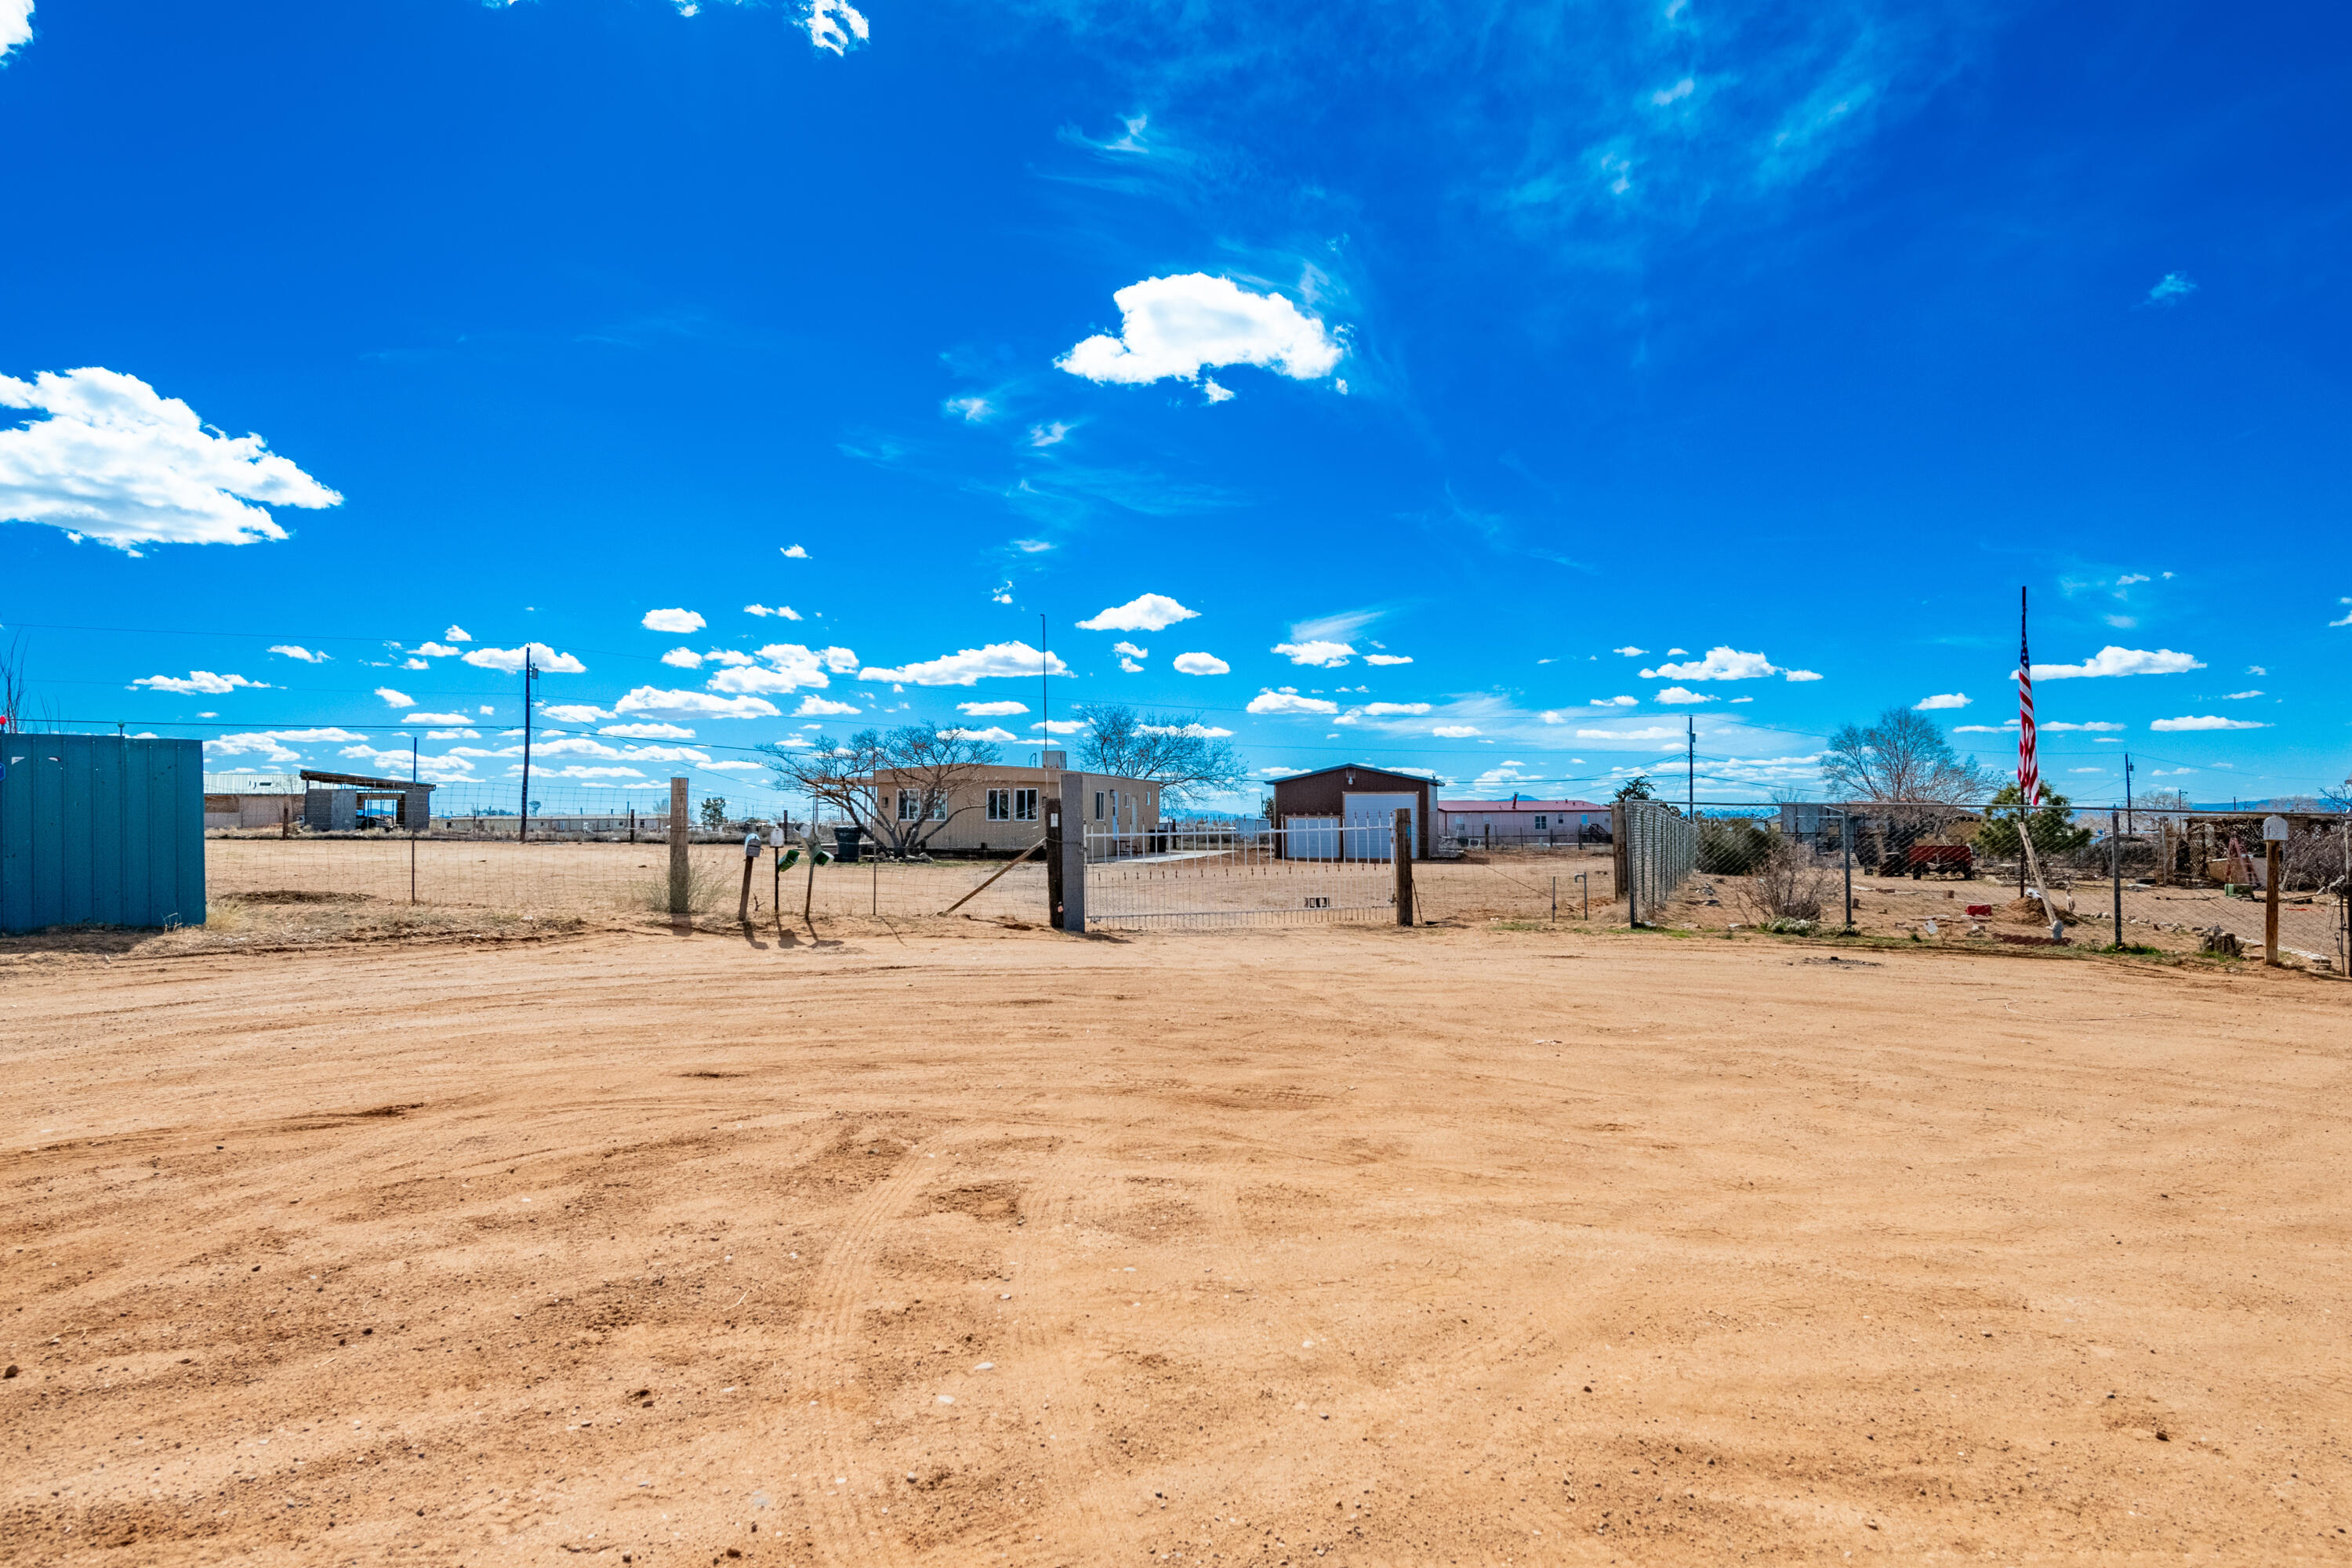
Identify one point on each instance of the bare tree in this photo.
(13, 686)
(1186, 758)
(1900, 756)
(895, 784)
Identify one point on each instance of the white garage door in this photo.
(1310, 838)
(1380, 811)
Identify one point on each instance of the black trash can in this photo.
(844, 844)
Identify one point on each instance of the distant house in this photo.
(996, 808)
(1347, 812)
(1522, 821)
(242, 799)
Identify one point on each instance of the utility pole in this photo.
(530, 673)
(1045, 708)
(1690, 767)
(409, 811)
(2127, 791)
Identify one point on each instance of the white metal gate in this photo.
(1225, 874)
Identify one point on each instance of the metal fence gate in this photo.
(1217, 875)
(1659, 849)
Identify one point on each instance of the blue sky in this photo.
(1491, 387)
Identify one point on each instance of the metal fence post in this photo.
(2115, 870)
(1845, 840)
(680, 878)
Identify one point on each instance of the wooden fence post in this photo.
(680, 879)
(1401, 851)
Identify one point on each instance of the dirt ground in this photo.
(1346, 1245)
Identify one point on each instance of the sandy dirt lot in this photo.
(1346, 1245)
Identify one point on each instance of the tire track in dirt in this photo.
(851, 1527)
(1053, 1365)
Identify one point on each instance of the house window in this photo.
(1000, 803)
(910, 806)
(1541, 824)
(1099, 806)
(939, 809)
(1024, 805)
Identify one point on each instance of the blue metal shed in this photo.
(100, 830)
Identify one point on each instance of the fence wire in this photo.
(1198, 875)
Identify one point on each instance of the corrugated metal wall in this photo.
(99, 830)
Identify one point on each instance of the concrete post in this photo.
(1074, 853)
(680, 881)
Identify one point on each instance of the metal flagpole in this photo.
(2028, 768)
(522, 833)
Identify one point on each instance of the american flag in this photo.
(2029, 770)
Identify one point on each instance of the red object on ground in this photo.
(1981, 909)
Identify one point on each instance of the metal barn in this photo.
(100, 830)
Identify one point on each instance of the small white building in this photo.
(1542, 824)
(251, 799)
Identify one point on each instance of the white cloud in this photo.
(790, 667)
(453, 735)
(1052, 435)
(2096, 726)
(734, 765)
(1681, 694)
(653, 700)
(118, 463)
(1059, 726)
(1008, 659)
(1317, 651)
(1383, 709)
(2171, 288)
(1128, 660)
(991, 709)
(2114, 660)
(1616, 702)
(395, 698)
(994, 732)
(823, 707)
(2129, 578)
(1455, 732)
(1196, 731)
(972, 409)
(1280, 772)
(200, 680)
(1201, 664)
(784, 610)
(673, 621)
(2240, 696)
(1942, 699)
(1654, 733)
(1175, 326)
(1630, 651)
(2346, 621)
(457, 634)
(2258, 669)
(794, 552)
(290, 650)
(834, 26)
(1288, 701)
(647, 731)
(573, 712)
(1213, 392)
(438, 650)
(2205, 721)
(1033, 546)
(1144, 613)
(1722, 664)
(510, 659)
(414, 664)
(576, 771)
(682, 658)
(15, 24)
(276, 745)
(1387, 658)
(1796, 675)
(435, 718)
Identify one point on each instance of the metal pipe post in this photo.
(1845, 837)
(2115, 870)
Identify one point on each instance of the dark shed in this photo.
(1354, 792)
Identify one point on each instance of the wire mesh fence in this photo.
(1198, 874)
(2178, 880)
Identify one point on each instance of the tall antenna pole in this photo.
(2127, 791)
(1044, 709)
(529, 673)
